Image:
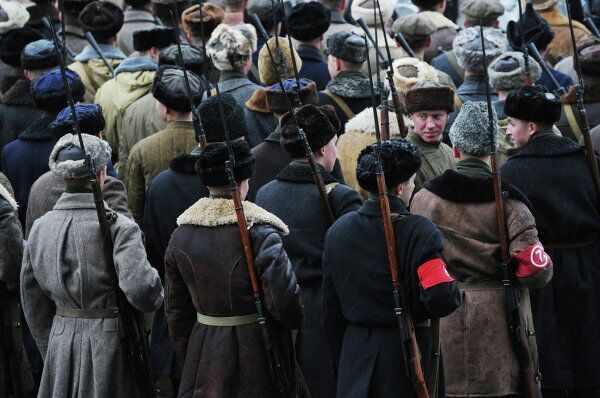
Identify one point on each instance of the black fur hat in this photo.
(348, 46)
(534, 104)
(400, 160)
(210, 166)
(536, 30)
(169, 88)
(193, 57)
(137, 3)
(307, 21)
(101, 18)
(320, 124)
(210, 114)
(14, 41)
(144, 40)
(48, 93)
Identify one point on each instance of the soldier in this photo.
(162, 10)
(358, 306)
(337, 22)
(67, 288)
(137, 16)
(294, 198)
(445, 31)
(194, 27)
(152, 155)
(74, 34)
(16, 17)
(209, 305)
(461, 203)
(553, 173)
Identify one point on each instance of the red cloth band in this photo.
(532, 260)
(433, 272)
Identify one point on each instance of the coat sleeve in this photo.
(280, 289)
(38, 308)
(11, 248)
(115, 196)
(344, 200)
(137, 279)
(136, 187)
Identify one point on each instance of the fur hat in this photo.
(364, 9)
(136, 3)
(210, 166)
(414, 27)
(482, 11)
(534, 104)
(467, 47)
(429, 96)
(101, 18)
(308, 21)
(169, 88)
(144, 40)
(267, 74)
(89, 116)
(14, 41)
(276, 99)
(589, 56)
(320, 125)
(470, 133)
(347, 46)
(48, 92)
(536, 30)
(74, 7)
(38, 55)
(541, 5)
(193, 57)
(228, 48)
(210, 114)
(400, 160)
(410, 71)
(12, 16)
(212, 16)
(506, 72)
(67, 160)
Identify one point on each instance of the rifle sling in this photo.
(87, 312)
(573, 121)
(226, 321)
(340, 102)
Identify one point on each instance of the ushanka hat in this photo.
(320, 125)
(266, 73)
(429, 96)
(67, 159)
(14, 41)
(144, 40)
(210, 114)
(410, 71)
(534, 104)
(89, 117)
(507, 71)
(48, 92)
(535, 29)
(308, 21)
(470, 132)
(210, 166)
(169, 88)
(400, 159)
(467, 47)
(212, 16)
(229, 48)
(347, 46)
(276, 99)
(589, 56)
(364, 9)
(39, 54)
(193, 57)
(12, 16)
(101, 18)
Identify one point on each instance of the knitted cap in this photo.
(470, 131)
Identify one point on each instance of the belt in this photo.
(88, 312)
(490, 285)
(226, 320)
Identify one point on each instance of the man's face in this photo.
(430, 124)
(519, 131)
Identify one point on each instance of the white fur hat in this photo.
(66, 160)
(364, 9)
(410, 71)
(231, 47)
(12, 16)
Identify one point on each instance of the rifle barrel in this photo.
(361, 22)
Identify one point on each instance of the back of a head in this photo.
(410, 71)
(229, 48)
(89, 118)
(169, 88)
(159, 38)
(507, 72)
(67, 161)
(102, 19)
(427, 4)
(308, 21)
(347, 46)
(14, 41)
(470, 131)
(279, 102)
(533, 104)
(589, 60)
(39, 55)
(162, 9)
(210, 166)
(12, 16)
(210, 114)
(265, 11)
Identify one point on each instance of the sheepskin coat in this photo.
(206, 273)
(63, 266)
(561, 47)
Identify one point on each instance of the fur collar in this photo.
(136, 64)
(548, 145)
(212, 212)
(184, 164)
(459, 188)
(19, 94)
(110, 52)
(299, 172)
(590, 94)
(38, 130)
(258, 101)
(6, 195)
(351, 85)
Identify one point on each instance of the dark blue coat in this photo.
(441, 62)
(562, 79)
(314, 66)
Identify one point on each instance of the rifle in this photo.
(404, 44)
(558, 89)
(527, 80)
(277, 373)
(361, 22)
(94, 44)
(383, 104)
(46, 22)
(12, 367)
(310, 156)
(133, 339)
(281, 68)
(200, 4)
(198, 129)
(410, 348)
(592, 26)
(585, 128)
(517, 324)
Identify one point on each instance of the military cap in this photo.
(212, 16)
(39, 54)
(12, 16)
(101, 18)
(14, 41)
(160, 37)
(400, 160)
(48, 92)
(410, 71)
(414, 26)
(507, 71)
(320, 125)
(429, 95)
(364, 9)
(170, 90)
(482, 10)
(276, 99)
(347, 46)
(467, 47)
(589, 56)
(266, 73)
(534, 104)
(89, 117)
(229, 48)
(210, 166)
(535, 29)
(210, 113)
(193, 57)
(67, 160)
(470, 131)
(308, 21)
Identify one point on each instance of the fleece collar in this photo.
(6, 195)
(19, 94)
(137, 64)
(110, 52)
(351, 85)
(213, 212)
(38, 130)
(548, 144)
(301, 172)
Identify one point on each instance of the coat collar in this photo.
(372, 208)
(232, 80)
(110, 52)
(136, 15)
(351, 85)
(136, 64)
(548, 144)
(76, 201)
(38, 130)
(212, 212)
(275, 136)
(19, 94)
(311, 53)
(302, 173)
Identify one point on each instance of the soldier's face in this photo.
(430, 124)
(519, 131)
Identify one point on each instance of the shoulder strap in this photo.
(340, 102)
(454, 64)
(573, 121)
(457, 101)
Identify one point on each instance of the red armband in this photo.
(531, 261)
(433, 272)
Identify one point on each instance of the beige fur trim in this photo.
(358, 11)
(209, 212)
(439, 20)
(424, 72)
(6, 195)
(363, 123)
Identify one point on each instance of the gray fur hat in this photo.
(467, 47)
(506, 72)
(469, 132)
(347, 46)
(67, 161)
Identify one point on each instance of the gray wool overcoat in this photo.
(63, 267)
